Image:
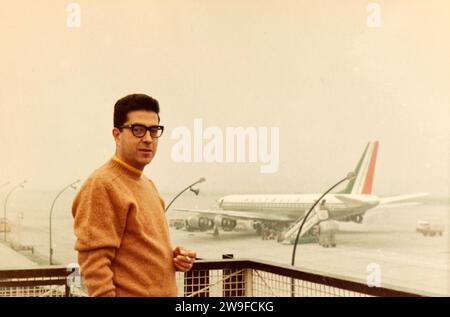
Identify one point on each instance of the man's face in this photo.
(136, 151)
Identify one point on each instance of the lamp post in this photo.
(349, 176)
(50, 217)
(6, 202)
(195, 191)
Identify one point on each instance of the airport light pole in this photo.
(50, 217)
(195, 191)
(3, 185)
(6, 202)
(349, 176)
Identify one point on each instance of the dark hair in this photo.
(131, 103)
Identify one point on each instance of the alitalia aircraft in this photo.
(281, 211)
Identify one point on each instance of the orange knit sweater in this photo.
(122, 235)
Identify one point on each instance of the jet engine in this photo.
(199, 223)
(357, 218)
(227, 224)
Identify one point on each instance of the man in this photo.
(327, 226)
(122, 235)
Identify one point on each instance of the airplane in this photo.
(282, 211)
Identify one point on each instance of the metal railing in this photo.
(220, 278)
(39, 282)
(251, 278)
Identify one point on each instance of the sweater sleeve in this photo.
(99, 222)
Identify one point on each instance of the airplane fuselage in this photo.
(295, 206)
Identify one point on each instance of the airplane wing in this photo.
(407, 204)
(394, 199)
(239, 214)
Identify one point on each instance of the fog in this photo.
(317, 70)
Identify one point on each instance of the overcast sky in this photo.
(315, 69)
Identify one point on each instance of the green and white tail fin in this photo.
(364, 171)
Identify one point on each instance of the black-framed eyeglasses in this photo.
(139, 130)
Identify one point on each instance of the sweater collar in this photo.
(133, 170)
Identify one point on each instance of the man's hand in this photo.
(183, 259)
